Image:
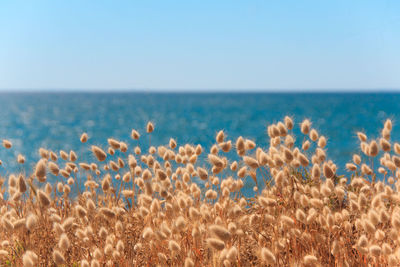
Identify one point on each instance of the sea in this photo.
(56, 120)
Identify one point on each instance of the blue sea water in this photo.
(56, 120)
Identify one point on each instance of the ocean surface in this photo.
(56, 120)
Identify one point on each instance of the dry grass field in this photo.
(178, 205)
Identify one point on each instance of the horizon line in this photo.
(199, 90)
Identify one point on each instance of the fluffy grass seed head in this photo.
(99, 153)
(310, 261)
(220, 232)
(149, 127)
(40, 170)
(215, 243)
(7, 144)
(44, 199)
(267, 256)
(58, 257)
(84, 137)
(305, 126)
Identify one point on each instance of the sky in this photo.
(200, 45)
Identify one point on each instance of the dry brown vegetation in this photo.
(170, 207)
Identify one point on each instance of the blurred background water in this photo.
(56, 120)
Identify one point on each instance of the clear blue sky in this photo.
(223, 44)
